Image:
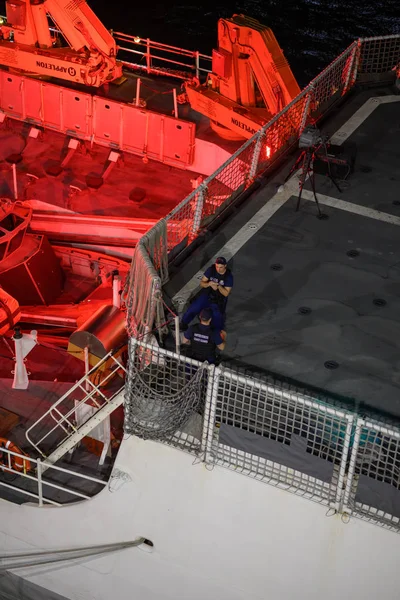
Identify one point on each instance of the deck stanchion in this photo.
(39, 481)
(138, 92)
(177, 335)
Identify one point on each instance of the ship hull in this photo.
(216, 534)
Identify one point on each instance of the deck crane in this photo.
(251, 80)
(28, 44)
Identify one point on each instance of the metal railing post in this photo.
(198, 211)
(346, 508)
(256, 154)
(177, 335)
(213, 374)
(148, 55)
(197, 58)
(306, 109)
(353, 67)
(339, 500)
(175, 103)
(39, 481)
(138, 83)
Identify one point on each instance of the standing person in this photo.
(217, 283)
(203, 339)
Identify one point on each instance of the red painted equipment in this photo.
(251, 80)
(27, 44)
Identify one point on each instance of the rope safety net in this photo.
(143, 289)
(162, 392)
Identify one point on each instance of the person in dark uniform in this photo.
(217, 283)
(204, 339)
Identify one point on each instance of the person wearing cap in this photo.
(217, 283)
(204, 339)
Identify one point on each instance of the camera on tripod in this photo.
(310, 137)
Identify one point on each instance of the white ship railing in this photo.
(268, 431)
(363, 453)
(265, 431)
(40, 482)
(156, 57)
(66, 416)
(162, 59)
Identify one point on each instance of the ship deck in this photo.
(69, 191)
(317, 301)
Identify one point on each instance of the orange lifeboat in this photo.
(10, 312)
(9, 462)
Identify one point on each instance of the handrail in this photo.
(41, 482)
(89, 395)
(149, 47)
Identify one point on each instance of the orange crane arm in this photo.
(27, 44)
(251, 80)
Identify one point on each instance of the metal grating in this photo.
(280, 437)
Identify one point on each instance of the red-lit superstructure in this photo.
(94, 155)
(251, 80)
(28, 45)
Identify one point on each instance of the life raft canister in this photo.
(10, 312)
(9, 462)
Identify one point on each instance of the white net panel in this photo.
(143, 290)
(379, 55)
(280, 437)
(333, 82)
(373, 486)
(282, 132)
(165, 397)
(185, 222)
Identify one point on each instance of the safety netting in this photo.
(162, 393)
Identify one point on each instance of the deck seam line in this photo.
(342, 134)
(289, 189)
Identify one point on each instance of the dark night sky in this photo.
(311, 32)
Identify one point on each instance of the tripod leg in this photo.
(299, 198)
(312, 180)
(295, 166)
(305, 170)
(335, 183)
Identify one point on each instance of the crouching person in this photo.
(203, 339)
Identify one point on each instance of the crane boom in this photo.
(251, 80)
(26, 42)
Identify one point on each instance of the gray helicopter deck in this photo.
(317, 301)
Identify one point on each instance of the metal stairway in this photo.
(80, 410)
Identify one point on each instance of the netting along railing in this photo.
(264, 431)
(379, 54)
(165, 396)
(322, 429)
(185, 222)
(334, 81)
